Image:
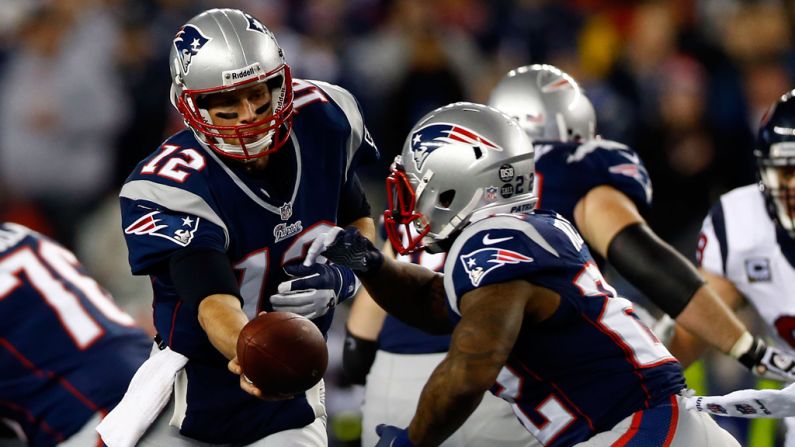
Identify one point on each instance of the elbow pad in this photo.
(357, 357)
(654, 267)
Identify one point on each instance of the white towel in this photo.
(748, 403)
(149, 391)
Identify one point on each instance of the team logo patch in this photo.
(745, 409)
(715, 408)
(255, 25)
(631, 170)
(490, 193)
(483, 261)
(758, 270)
(188, 41)
(179, 230)
(284, 231)
(286, 211)
(636, 172)
(433, 136)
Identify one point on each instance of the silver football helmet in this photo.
(221, 50)
(460, 163)
(546, 102)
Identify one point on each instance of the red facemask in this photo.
(280, 122)
(401, 200)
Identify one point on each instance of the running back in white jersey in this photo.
(740, 242)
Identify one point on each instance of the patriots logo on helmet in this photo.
(167, 226)
(433, 136)
(188, 41)
(481, 262)
(557, 84)
(255, 25)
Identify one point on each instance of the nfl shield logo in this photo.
(286, 211)
(491, 193)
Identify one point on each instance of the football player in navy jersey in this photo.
(602, 187)
(532, 319)
(67, 352)
(220, 213)
(394, 360)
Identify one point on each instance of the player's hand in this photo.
(249, 387)
(314, 289)
(391, 436)
(769, 362)
(346, 247)
(776, 364)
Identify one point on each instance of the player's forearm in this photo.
(411, 293)
(445, 404)
(222, 319)
(686, 347)
(708, 318)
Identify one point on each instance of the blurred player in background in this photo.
(67, 353)
(746, 249)
(219, 211)
(533, 319)
(602, 187)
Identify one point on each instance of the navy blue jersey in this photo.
(66, 351)
(184, 195)
(588, 366)
(565, 172)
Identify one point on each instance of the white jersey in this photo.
(739, 241)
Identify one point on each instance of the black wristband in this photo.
(654, 267)
(754, 355)
(201, 272)
(357, 357)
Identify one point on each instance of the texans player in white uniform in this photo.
(218, 217)
(531, 317)
(746, 248)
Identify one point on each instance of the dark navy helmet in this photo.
(775, 160)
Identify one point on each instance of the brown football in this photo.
(282, 353)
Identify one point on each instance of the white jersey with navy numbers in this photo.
(186, 196)
(588, 366)
(740, 242)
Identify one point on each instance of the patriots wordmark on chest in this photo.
(284, 231)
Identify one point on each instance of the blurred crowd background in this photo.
(84, 96)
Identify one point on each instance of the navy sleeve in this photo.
(153, 233)
(353, 202)
(624, 170)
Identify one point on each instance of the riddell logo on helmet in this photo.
(235, 76)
